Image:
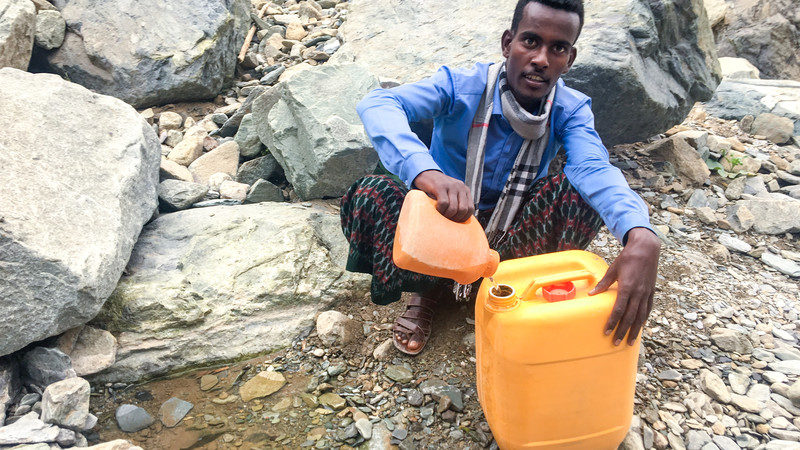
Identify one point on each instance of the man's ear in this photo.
(505, 42)
(572, 54)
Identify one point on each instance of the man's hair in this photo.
(575, 6)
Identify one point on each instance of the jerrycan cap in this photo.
(559, 292)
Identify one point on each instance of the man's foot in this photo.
(413, 327)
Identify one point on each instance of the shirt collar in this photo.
(497, 108)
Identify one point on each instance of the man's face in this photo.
(539, 52)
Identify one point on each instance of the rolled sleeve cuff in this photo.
(630, 222)
(415, 165)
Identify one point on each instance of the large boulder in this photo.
(145, 53)
(644, 63)
(220, 283)
(17, 30)
(80, 172)
(766, 33)
(735, 99)
(309, 123)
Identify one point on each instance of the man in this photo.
(496, 129)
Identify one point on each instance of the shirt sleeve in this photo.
(386, 114)
(602, 185)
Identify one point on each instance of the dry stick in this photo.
(251, 33)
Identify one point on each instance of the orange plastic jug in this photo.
(427, 242)
(548, 377)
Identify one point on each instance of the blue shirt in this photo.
(451, 97)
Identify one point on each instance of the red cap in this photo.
(559, 292)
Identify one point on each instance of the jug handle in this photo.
(537, 283)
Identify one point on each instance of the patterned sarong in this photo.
(553, 218)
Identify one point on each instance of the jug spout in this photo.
(501, 297)
(491, 263)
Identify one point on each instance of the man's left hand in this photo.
(635, 269)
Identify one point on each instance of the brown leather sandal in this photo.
(414, 322)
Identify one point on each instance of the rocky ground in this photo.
(718, 362)
(717, 367)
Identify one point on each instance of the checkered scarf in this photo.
(535, 131)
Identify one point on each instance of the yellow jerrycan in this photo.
(427, 242)
(548, 377)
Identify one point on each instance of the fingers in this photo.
(608, 279)
(641, 318)
(455, 203)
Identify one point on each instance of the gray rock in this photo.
(66, 403)
(776, 128)
(131, 418)
(788, 178)
(94, 351)
(670, 375)
(173, 411)
(191, 57)
(84, 239)
(264, 191)
(774, 216)
(28, 430)
(735, 188)
(364, 427)
(734, 243)
(687, 162)
(698, 199)
(697, 439)
(247, 137)
(790, 367)
(740, 217)
(713, 385)
(739, 382)
(737, 68)
(223, 159)
(334, 327)
(191, 268)
(725, 443)
(17, 30)
(399, 374)
(44, 366)
(794, 393)
(735, 99)
(313, 130)
(178, 195)
(231, 125)
(265, 167)
(784, 266)
(66, 438)
(731, 341)
(50, 29)
(765, 34)
(9, 384)
(607, 62)
(632, 441)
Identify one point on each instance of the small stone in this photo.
(713, 385)
(263, 384)
(131, 418)
(399, 374)
(207, 382)
(364, 427)
(173, 411)
(333, 400)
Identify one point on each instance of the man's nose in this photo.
(539, 57)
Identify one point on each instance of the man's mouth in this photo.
(534, 77)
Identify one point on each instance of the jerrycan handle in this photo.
(537, 283)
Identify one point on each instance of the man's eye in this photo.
(529, 42)
(560, 49)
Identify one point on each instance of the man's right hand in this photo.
(453, 197)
